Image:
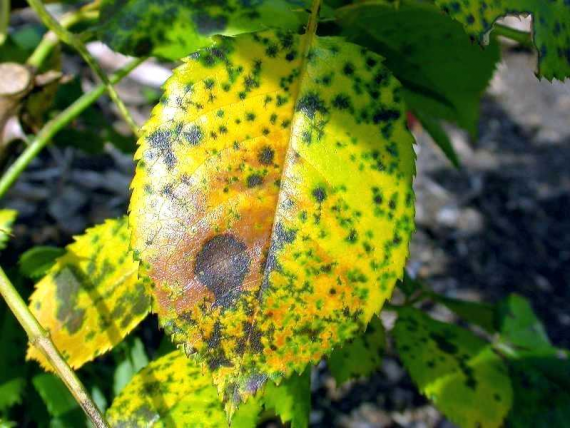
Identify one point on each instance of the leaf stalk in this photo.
(40, 338)
(521, 37)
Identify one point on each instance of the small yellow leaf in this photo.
(173, 391)
(93, 296)
(273, 202)
(7, 218)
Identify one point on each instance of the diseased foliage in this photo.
(271, 214)
(551, 27)
(273, 202)
(174, 391)
(175, 28)
(92, 297)
(455, 369)
(429, 54)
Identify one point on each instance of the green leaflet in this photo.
(541, 391)
(551, 27)
(439, 136)
(175, 28)
(174, 391)
(481, 314)
(455, 369)
(519, 326)
(37, 261)
(55, 394)
(360, 357)
(7, 218)
(93, 296)
(442, 72)
(540, 373)
(134, 359)
(11, 392)
(290, 400)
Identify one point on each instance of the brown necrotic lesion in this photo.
(221, 265)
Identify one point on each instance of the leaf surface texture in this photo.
(272, 202)
(92, 297)
(443, 73)
(455, 369)
(173, 29)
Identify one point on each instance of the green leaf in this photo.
(55, 394)
(93, 296)
(291, 400)
(288, 158)
(455, 369)
(35, 262)
(7, 219)
(541, 388)
(173, 29)
(11, 392)
(551, 27)
(520, 327)
(134, 360)
(439, 136)
(360, 357)
(481, 314)
(444, 75)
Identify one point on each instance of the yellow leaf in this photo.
(7, 218)
(174, 392)
(92, 297)
(273, 202)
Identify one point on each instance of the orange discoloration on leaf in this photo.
(273, 202)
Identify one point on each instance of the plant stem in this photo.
(4, 20)
(40, 338)
(50, 40)
(75, 42)
(521, 37)
(57, 123)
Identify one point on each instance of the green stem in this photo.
(75, 42)
(4, 20)
(40, 338)
(521, 37)
(50, 40)
(57, 123)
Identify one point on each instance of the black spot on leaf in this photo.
(195, 135)
(221, 265)
(320, 194)
(311, 103)
(266, 155)
(254, 180)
